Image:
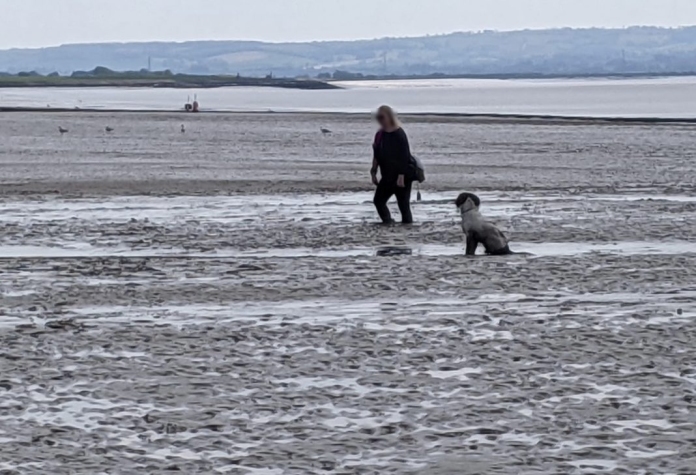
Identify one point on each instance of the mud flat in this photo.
(213, 302)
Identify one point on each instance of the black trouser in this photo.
(385, 190)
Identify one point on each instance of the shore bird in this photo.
(109, 129)
(325, 131)
(62, 130)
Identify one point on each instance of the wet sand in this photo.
(213, 302)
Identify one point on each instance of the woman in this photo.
(392, 156)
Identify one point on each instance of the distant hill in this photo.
(552, 52)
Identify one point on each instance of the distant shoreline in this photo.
(528, 119)
(215, 82)
(174, 82)
(510, 77)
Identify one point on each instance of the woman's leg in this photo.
(403, 197)
(382, 195)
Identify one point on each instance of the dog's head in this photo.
(462, 199)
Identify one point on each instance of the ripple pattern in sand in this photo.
(263, 334)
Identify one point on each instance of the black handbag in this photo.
(418, 169)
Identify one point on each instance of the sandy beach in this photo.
(212, 301)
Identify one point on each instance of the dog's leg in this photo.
(471, 244)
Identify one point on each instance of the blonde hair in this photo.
(390, 115)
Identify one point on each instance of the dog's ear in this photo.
(461, 199)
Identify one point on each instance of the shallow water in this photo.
(348, 207)
(657, 97)
(135, 217)
(565, 249)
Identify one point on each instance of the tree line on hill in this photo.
(591, 51)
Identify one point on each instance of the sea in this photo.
(649, 98)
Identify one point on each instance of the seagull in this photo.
(109, 129)
(325, 131)
(62, 130)
(183, 129)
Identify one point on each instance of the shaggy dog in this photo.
(478, 230)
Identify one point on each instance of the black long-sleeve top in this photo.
(392, 154)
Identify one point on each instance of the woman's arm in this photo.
(375, 166)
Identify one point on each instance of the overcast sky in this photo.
(32, 23)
